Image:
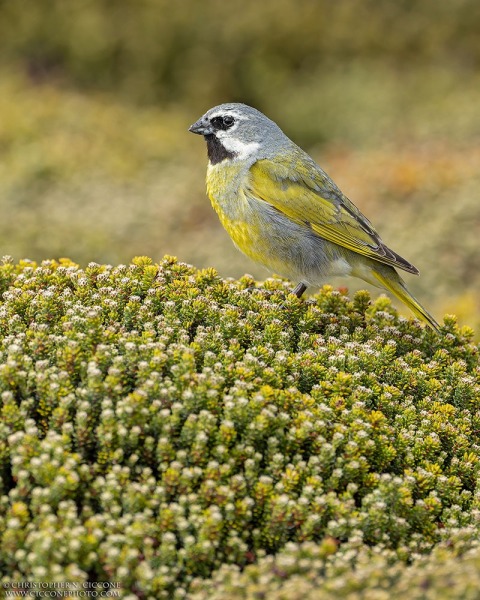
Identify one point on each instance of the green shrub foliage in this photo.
(164, 428)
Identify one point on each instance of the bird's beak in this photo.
(201, 127)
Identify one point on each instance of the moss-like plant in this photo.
(160, 426)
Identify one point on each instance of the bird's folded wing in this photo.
(304, 193)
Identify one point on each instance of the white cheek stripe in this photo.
(240, 149)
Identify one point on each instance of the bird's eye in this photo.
(223, 122)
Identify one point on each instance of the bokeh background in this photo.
(96, 163)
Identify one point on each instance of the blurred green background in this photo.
(96, 96)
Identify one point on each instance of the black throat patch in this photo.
(216, 152)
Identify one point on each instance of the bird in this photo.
(284, 212)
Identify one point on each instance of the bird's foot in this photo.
(299, 289)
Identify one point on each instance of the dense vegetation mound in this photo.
(186, 436)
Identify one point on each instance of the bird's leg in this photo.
(299, 289)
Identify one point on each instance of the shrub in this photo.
(159, 424)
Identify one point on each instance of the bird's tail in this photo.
(392, 282)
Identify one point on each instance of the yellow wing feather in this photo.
(302, 191)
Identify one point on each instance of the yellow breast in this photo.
(226, 183)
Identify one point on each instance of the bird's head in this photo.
(238, 132)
